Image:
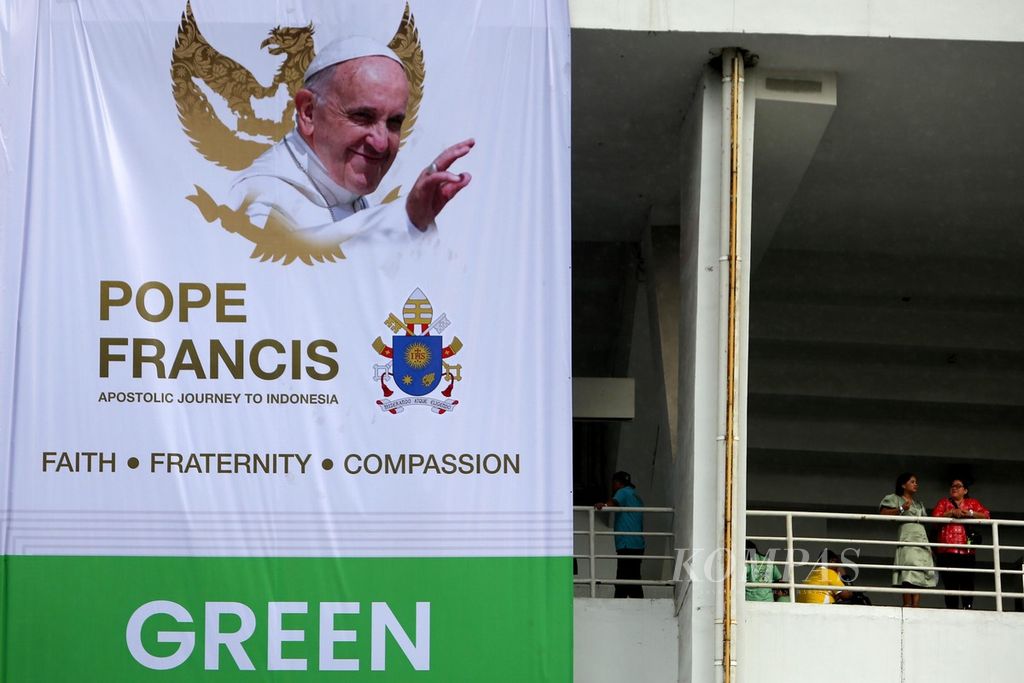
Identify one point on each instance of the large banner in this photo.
(284, 354)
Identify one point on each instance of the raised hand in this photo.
(436, 185)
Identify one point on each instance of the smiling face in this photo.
(352, 119)
(957, 490)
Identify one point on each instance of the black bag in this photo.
(973, 531)
(856, 598)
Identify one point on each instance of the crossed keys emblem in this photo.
(418, 359)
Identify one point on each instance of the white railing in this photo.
(794, 543)
(591, 556)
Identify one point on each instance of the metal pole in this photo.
(735, 79)
(593, 565)
(789, 558)
(997, 565)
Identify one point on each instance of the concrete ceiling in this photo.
(630, 92)
(887, 313)
(921, 160)
(926, 139)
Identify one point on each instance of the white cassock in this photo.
(291, 178)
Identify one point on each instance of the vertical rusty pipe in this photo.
(735, 131)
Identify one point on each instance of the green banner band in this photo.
(170, 619)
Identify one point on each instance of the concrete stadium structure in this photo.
(877, 223)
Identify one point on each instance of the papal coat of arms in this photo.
(417, 359)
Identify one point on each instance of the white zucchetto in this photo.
(343, 49)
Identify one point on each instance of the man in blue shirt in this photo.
(628, 547)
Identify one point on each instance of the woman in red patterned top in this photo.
(958, 506)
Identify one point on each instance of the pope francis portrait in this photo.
(315, 181)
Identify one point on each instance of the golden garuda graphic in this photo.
(200, 72)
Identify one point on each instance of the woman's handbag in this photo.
(973, 531)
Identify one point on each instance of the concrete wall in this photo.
(625, 640)
(851, 644)
(698, 500)
(851, 378)
(999, 20)
(866, 364)
(644, 447)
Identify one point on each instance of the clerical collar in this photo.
(334, 194)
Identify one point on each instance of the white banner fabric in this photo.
(184, 376)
